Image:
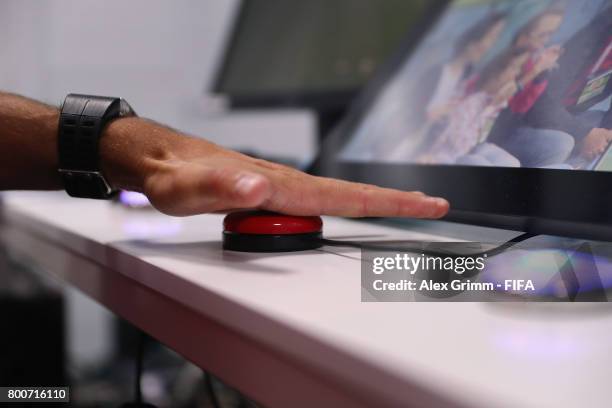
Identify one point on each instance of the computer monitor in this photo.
(503, 107)
(315, 54)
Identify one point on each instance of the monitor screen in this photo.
(295, 52)
(498, 83)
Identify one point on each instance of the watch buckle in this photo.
(86, 173)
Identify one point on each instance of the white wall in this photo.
(158, 54)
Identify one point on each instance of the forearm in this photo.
(130, 148)
(526, 79)
(28, 144)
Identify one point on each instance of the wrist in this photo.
(47, 155)
(130, 150)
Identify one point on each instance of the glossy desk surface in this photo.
(291, 327)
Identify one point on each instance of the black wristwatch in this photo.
(82, 121)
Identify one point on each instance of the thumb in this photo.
(195, 189)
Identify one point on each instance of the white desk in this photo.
(290, 329)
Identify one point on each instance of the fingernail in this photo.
(439, 202)
(246, 183)
(436, 204)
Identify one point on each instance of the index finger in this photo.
(325, 196)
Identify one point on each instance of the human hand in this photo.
(438, 112)
(183, 176)
(506, 92)
(426, 158)
(595, 143)
(548, 59)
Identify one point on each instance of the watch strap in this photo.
(82, 121)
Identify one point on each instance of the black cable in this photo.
(210, 390)
(432, 252)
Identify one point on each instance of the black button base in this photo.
(271, 243)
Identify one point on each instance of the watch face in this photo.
(125, 109)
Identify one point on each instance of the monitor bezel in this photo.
(316, 99)
(572, 203)
(313, 99)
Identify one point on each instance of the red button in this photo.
(269, 223)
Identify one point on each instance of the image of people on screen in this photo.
(500, 83)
